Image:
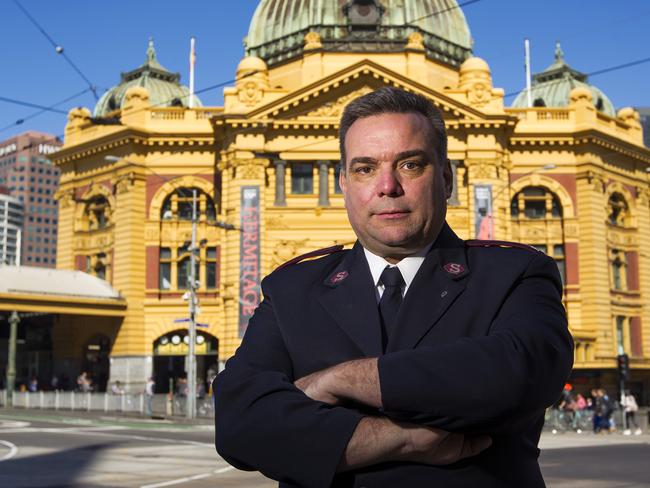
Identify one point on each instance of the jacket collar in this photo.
(351, 297)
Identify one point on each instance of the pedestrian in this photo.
(149, 391)
(414, 359)
(83, 382)
(116, 388)
(33, 385)
(630, 407)
(608, 410)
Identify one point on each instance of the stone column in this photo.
(323, 184)
(280, 184)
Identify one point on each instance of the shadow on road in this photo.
(59, 469)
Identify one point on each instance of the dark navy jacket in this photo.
(483, 347)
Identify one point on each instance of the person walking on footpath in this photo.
(149, 391)
(630, 407)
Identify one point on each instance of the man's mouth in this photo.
(392, 214)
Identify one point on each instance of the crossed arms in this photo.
(296, 430)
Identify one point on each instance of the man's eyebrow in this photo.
(363, 160)
(410, 154)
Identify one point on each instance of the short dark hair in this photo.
(388, 100)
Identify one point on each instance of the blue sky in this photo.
(104, 38)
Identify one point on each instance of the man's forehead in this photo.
(389, 137)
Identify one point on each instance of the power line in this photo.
(43, 110)
(593, 73)
(58, 48)
(469, 2)
(32, 105)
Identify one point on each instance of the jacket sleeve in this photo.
(263, 422)
(497, 383)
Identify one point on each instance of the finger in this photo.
(474, 445)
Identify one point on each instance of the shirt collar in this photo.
(408, 266)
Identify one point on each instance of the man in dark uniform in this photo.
(414, 359)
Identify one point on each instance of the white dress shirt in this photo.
(408, 266)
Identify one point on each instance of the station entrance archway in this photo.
(170, 357)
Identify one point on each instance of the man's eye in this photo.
(411, 165)
(364, 170)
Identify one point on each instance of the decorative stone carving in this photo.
(286, 250)
(250, 94)
(335, 108)
(476, 81)
(65, 198)
(124, 183)
(479, 94)
(250, 171)
(415, 41)
(276, 223)
(312, 41)
(482, 170)
(252, 80)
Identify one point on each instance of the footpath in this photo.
(135, 421)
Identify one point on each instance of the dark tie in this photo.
(390, 301)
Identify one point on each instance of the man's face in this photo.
(394, 188)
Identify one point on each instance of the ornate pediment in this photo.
(328, 97)
(335, 107)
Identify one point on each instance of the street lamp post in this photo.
(191, 356)
(14, 319)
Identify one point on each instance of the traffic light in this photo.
(623, 363)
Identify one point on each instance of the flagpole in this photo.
(192, 62)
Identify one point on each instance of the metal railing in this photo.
(160, 404)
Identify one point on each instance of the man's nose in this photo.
(388, 183)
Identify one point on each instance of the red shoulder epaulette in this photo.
(486, 243)
(313, 254)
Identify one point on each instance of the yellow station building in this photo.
(565, 173)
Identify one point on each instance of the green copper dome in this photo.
(163, 86)
(278, 27)
(551, 87)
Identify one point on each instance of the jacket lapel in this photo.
(351, 300)
(437, 284)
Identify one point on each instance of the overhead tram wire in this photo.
(593, 73)
(43, 110)
(231, 81)
(32, 105)
(438, 12)
(58, 49)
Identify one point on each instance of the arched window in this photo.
(527, 208)
(618, 267)
(97, 214)
(535, 202)
(178, 205)
(176, 262)
(97, 265)
(618, 210)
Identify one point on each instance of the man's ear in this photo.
(448, 176)
(342, 178)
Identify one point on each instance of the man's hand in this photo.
(379, 440)
(318, 386)
(437, 447)
(356, 380)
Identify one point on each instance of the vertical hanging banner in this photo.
(249, 277)
(483, 222)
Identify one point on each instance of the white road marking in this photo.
(13, 424)
(179, 481)
(13, 450)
